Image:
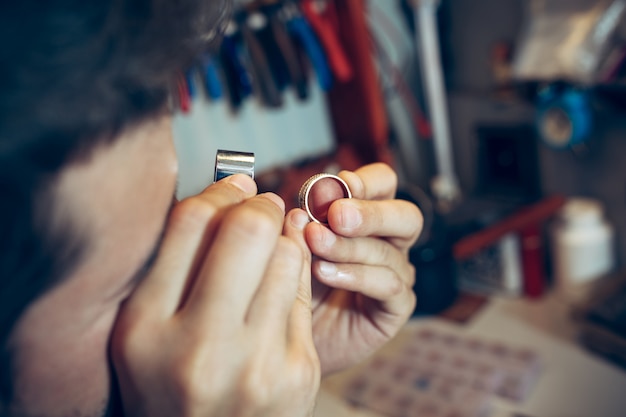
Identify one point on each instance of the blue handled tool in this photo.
(564, 117)
(212, 83)
(265, 85)
(238, 80)
(294, 65)
(191, 83)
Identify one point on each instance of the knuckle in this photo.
(347, 250)
(411, 276)
(189, 381)
(193, 212)
(300, 372)
(253, 387)
(132, 342)
(385, 252)
(127, 339)
(396, 286)
(306, 375)
(185, 388)
(252, 222)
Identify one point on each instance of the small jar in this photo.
(583, 247)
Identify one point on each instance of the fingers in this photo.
(186, 231)
(300, 319)
(236, 262)
(275, 296)
(398, 220)
(230, 269)
(368, 251)
(370, 266)
(372, 182)
(374, 211)
(376, 282)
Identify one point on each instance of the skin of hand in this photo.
(222, 324)
(362, 291)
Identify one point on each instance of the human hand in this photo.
(362, 291)
(221, 325)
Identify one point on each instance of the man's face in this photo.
(119, 199)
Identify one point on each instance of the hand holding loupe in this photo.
(315, 196)
(232, 162)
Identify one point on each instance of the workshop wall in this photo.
(469, 31)
(298, 130)
(599, 173)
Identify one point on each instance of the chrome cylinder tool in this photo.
(231, 162)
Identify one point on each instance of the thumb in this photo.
(300, 320)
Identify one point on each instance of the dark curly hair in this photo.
(73, 75)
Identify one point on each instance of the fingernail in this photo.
(350, 216)
(299, 219)
(327, 269)
(274, 199)
(243, 182)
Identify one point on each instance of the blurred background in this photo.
(505, 122)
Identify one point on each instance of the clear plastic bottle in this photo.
(583, 247)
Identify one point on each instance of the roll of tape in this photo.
(231, 162)
(564, 119)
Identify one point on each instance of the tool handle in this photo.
(184, 100)
(267, 88)
(337, 58)
(212, 83)
(230, 55)
(296, 72)
(304, 35)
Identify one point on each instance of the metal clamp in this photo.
(305, 191)
(231, 162)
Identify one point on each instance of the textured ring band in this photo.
(305, 192)
(230, 163)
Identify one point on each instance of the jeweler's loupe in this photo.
(231, 162)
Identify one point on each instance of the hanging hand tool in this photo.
(323, 27)
(287, 49)
(191, 83)
(210, 75)
(238, 80)
(184, 100)
(259, 22)
(305, 38)
(259, 65)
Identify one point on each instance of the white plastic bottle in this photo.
(583, 247)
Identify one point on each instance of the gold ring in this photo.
(305, 192)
